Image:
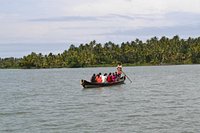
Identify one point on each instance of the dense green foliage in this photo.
(152, 52)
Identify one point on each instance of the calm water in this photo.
(161, 99)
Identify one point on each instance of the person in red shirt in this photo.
(109, 78)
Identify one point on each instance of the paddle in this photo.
(127, 77)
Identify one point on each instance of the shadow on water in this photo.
(116, 87)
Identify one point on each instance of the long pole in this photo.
(127, 77)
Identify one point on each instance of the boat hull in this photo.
(87, 84)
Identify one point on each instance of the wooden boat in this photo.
(87, 84)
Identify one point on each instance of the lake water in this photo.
(161, 99)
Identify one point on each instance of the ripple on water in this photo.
(160, 99)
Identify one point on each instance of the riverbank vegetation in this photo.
(154, 51)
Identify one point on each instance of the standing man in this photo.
(119, 69)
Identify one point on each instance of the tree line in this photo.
(154, 51)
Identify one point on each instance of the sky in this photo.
(45, 26)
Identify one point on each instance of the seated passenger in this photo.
(117, 76)
(109, 78)
(93, 78)
(114, 77)
(98, 79)
(104, 78)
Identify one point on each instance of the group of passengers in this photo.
(111, 77)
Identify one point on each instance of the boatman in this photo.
(119, 69)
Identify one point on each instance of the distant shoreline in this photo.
(163, 51)
(105, 65)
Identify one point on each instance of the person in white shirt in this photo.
(104, 78)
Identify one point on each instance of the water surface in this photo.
(161, 99)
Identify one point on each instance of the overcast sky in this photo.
(52, 25)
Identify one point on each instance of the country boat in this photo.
(87, 84)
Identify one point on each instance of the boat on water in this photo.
(87, 84)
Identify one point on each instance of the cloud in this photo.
(174, 23)
(65, 18)
(183, 30)
(83, 18)
(81, 21)
(183, 18)
(100, 7)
